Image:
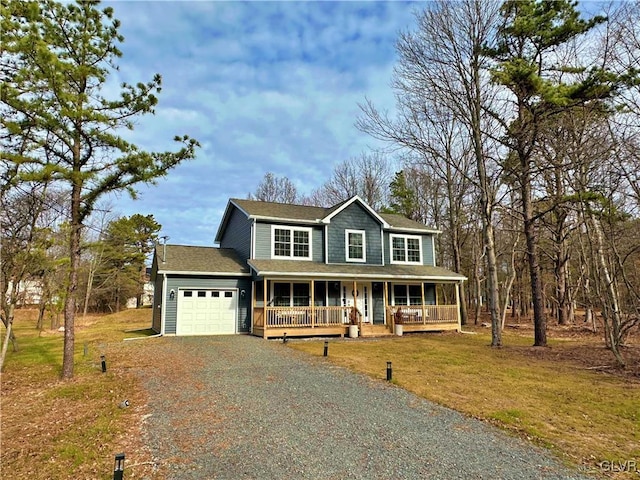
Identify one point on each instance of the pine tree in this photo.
(56, 61)
(529, 66)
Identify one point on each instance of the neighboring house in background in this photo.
(304, 271)
(29, 292)
(147, 292)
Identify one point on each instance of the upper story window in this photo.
(406, 249)
(355, 245)
(291, 242)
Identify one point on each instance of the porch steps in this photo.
(369, 330)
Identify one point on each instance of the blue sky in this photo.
(264, 86)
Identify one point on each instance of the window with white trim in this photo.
(355, 245)
(406, 249)
(291, 242)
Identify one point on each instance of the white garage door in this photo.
(207, 312)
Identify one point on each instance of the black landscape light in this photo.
(326, 348)
(104, 363)
(389, 371)
(118, 468)
(284, 338)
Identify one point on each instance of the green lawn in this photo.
(584, 416)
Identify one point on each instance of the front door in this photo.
(364, 299)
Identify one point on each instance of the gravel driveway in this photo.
(238, 407)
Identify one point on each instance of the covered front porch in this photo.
(298, 307)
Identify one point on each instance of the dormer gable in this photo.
(339, 208)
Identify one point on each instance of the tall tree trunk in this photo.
(9, 335)
(72, 287)
(611, 301)
(455, 243)
(486, 207)
(5, 344)
(87, 295)
(537, 299)
(562, 288)
(41, 309)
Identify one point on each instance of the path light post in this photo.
(326, 349)
(389, 372)
(104, 363)
(118, 468)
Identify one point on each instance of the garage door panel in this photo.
(207, 312)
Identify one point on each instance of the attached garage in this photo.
(207, 312)
(200, 291)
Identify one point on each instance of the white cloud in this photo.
(264, 86)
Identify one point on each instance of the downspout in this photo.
(424, 313)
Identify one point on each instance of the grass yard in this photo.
(56, 429)
(585, 416)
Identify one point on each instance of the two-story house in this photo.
(302, 271)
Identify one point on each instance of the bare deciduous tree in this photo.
(367, 176)
(275, 189)
(441, 75)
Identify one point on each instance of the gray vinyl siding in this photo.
(354, 217)
(237, 235)
(427, 248)
(178, 282)
(156, 323)
(264, 240)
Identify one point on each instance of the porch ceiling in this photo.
(293, 268)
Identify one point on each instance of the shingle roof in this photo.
(286, 211)
(293, 268)
(400, 222)
(188, 259)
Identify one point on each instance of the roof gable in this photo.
(355, 199)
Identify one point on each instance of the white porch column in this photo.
(264, 307)
(313, 304)
(424, 317)
(458, 306)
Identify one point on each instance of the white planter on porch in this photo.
(397, 329)
(353, 331)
